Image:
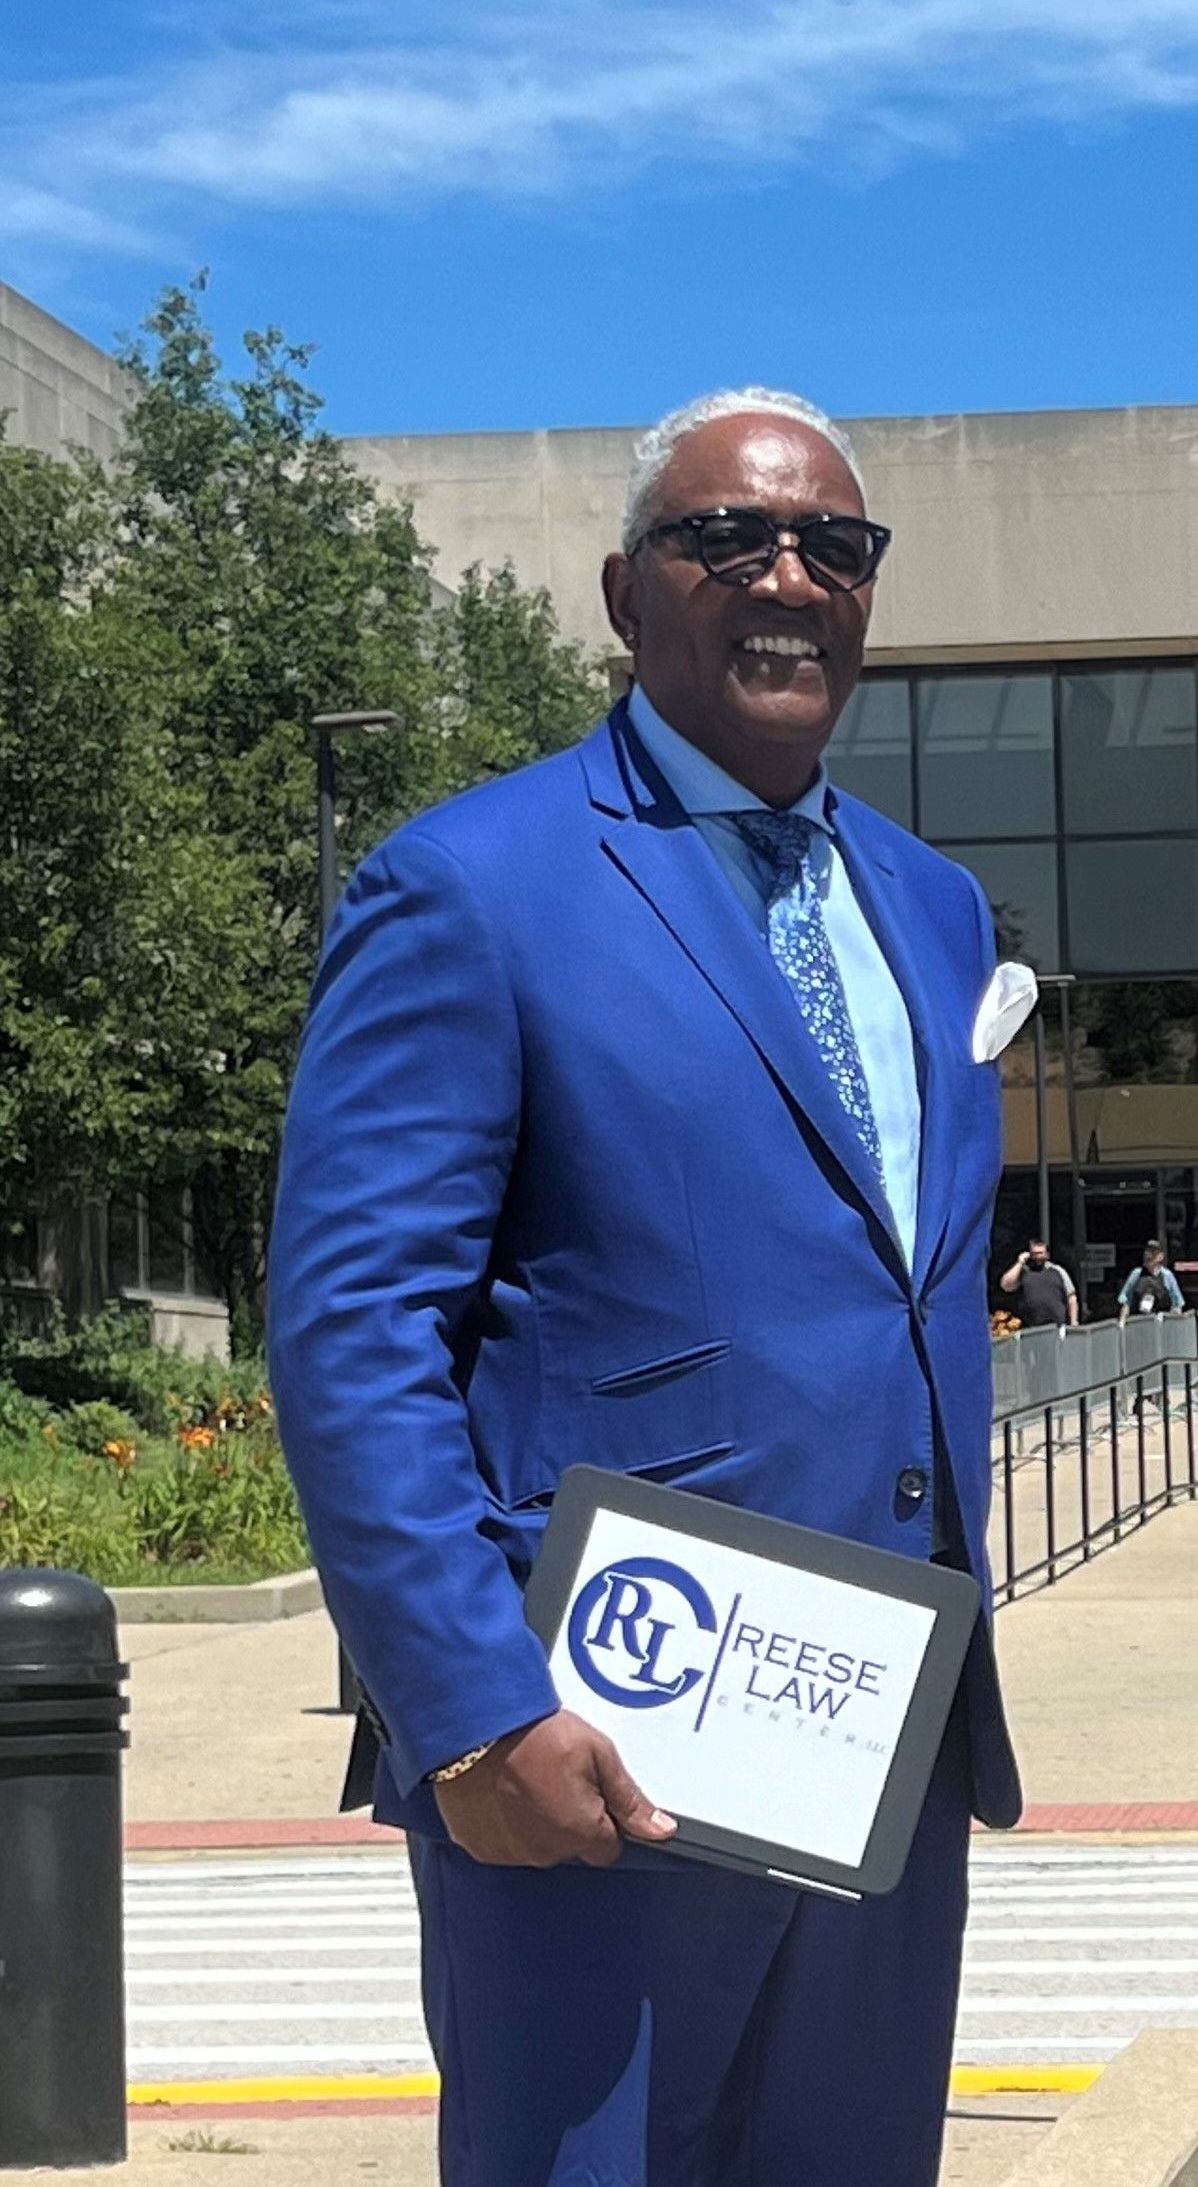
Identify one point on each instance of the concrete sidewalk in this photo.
(238, 1721)
(981, 2148)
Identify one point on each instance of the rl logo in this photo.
(621, 1624)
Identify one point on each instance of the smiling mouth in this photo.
(782, 647)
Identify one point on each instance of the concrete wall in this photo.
(1043, 533)
(57, 388)
(1058, 533)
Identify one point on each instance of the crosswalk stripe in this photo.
(1016, 2007)
(1106, 2046)
(394, 2059)
(342, 1940)
(1081, 1967)
(142, 1925)
(223, 2014)
(1071, 1934)
(307, 1965)
(288, 1977)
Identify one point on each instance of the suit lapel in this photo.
(672, 868)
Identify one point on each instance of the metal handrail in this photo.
(1098, 1431)
(1037, 1367)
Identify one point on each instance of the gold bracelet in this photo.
(458, 1769)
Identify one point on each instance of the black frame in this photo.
(800, 528)
(955, 1597)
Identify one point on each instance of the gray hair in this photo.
(655, 448)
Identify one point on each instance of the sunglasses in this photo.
(736, 546)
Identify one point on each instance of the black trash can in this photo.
(62, 2006)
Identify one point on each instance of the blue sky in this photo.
(573, 212)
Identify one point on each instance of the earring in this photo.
(630, 638)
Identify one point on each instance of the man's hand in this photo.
(556, 1791)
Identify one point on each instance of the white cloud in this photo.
(326, 105)
(32, 216)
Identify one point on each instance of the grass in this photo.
(201, 2141)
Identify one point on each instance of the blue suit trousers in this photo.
(678, 2025)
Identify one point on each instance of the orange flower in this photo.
(196, 1438)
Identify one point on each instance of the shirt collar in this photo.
(699, 784)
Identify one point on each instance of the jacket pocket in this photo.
(654, 1411)
(651, 1374)
(675, 1472)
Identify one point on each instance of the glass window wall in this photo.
(1129, 756)
(870, 753)
(985, 755)
(1020, 880)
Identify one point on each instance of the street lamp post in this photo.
(326, 727)
(1062, 982)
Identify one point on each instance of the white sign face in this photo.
(746, 1694)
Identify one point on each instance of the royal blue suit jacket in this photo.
(563, 1180)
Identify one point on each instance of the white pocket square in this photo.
(1007, 1003)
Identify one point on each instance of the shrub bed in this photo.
(137, 1466)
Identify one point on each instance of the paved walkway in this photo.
(236, 1740)
(304, 1967)
(238, 1721)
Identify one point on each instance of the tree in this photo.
(185, 618)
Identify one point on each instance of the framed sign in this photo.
(784, 1693)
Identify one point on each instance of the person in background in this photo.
(1152, 1288)
(1045, 1291)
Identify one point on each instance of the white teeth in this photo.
(799, 649)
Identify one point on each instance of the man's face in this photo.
(697, 642)
(1038, 1254)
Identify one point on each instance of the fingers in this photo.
(633, 1815)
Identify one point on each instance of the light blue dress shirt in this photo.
(875, 1004)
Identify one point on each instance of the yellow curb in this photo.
(353, 2087)
(301, 2088)
(1025, 2080)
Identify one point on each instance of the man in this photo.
(636, 1122)
(1152, 1288)
(1046, 1293)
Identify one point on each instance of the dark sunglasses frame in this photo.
(803, 530)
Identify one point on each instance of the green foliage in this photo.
(21, 1416)
(167, 632)
(188, 1482)
(219, 1504)
(1142, 1030)
(66, 1520)
(96, 1427)
(109, 1359)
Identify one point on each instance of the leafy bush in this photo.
(98, 1429)
(20, 1415)
(230, 1499)
(129, 1462)
(66, 1521)
(111, 1359)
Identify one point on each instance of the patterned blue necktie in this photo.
(802, 952)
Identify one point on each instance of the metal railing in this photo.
(1095, 1431)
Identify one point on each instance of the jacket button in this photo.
(913, 1483)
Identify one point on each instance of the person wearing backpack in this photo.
(1152, 1288)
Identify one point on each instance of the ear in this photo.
(619, 593)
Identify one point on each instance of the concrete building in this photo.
(58, 390)
(1030, 704)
